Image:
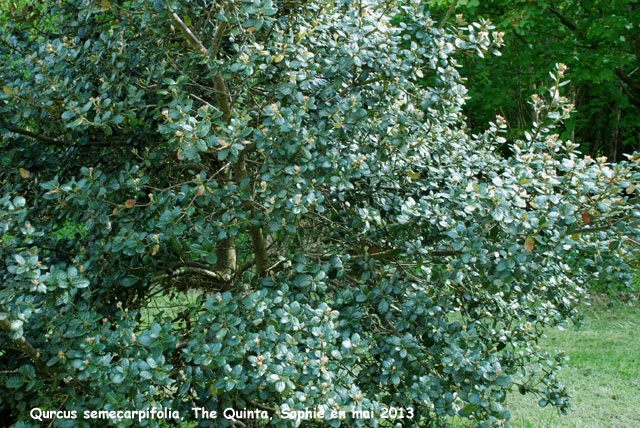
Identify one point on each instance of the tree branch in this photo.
(222, 93)
(218, 276)
(28, 349)
(191, 38)
(633, 87)
(600, 228)
(222, 97)
(633, 242)
(563, 19)
(261, 406)
(226, 252)
(217, 38)
(53, 141)
(261, 255)
(448, 15)
(31, 134)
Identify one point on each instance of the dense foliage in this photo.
(308, 168)
(599, 40)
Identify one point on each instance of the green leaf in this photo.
(15, 382)
(68, 115)
(80, 283)
(221, 333)
(151, 362)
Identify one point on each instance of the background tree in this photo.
(598, 40)
(355, 245)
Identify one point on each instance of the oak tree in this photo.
(298, 181)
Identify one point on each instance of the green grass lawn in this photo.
(603, 373)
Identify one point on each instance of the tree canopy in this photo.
(307, 167)
(599, 40)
